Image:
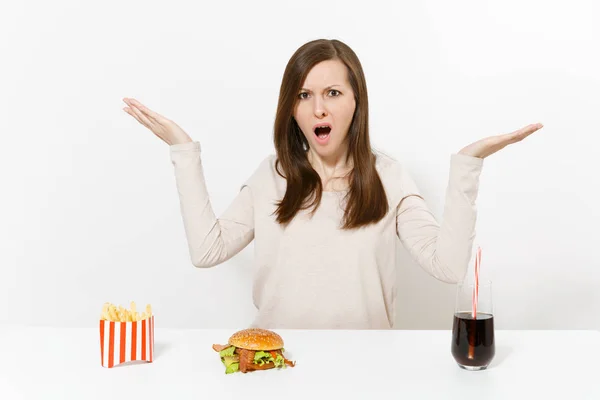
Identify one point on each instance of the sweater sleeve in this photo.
(211, 240)
(443, 250)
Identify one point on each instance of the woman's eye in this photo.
(336, 94)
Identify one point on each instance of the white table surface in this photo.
(64, 363)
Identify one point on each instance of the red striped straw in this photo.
(476, 286)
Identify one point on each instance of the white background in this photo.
(89, 206)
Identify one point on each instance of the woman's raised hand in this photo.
(162, 127)
(490, 145)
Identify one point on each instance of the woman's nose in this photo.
(319, 109)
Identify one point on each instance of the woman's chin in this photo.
(326, 150)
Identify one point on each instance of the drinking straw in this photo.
(476, 286)
(475, 300)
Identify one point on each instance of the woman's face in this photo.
(326, 99)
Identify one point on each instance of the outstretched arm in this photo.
(211, 240)
(444, 250)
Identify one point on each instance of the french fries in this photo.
(110, 312)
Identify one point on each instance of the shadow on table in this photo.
(130, 363)
(502, 353)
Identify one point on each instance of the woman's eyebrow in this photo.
(328, 87)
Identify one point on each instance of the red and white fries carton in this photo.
(126, 341)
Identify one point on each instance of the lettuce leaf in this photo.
(231, 363)
(262, 357)
(228, 352)
(280, 361)
(233, 367)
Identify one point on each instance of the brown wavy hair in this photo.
(366, 198)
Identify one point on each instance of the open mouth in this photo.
(322, 132)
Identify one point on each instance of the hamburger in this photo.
(253, 349)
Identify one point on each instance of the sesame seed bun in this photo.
(256, 339)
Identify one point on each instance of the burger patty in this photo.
(246, 359)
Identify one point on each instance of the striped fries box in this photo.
(126, 341)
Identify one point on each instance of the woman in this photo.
(325, 211)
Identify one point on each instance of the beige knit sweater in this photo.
(312, 274)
